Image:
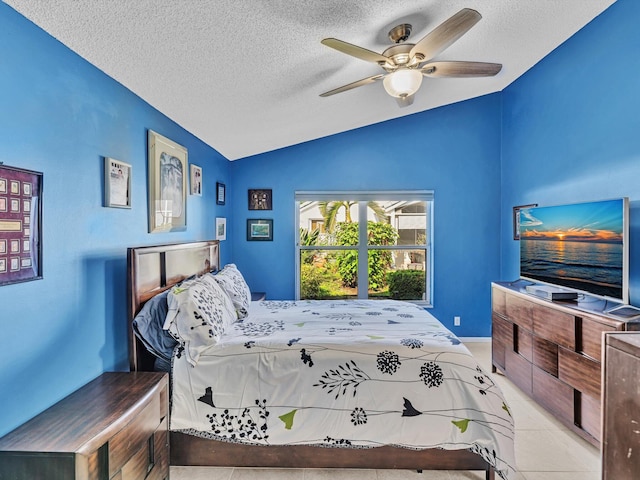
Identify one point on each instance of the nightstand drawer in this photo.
(160, 469)
(134, 437)
(151, 461)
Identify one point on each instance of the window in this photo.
(317, 224)
(387, 255)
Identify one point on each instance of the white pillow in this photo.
(198, 314)
(232, 281)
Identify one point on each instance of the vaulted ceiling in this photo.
(245, 76)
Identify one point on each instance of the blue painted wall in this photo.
(454, 150)
(571, 128)
(60, 116)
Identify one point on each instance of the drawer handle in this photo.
(151, 449)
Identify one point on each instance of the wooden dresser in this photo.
(621, 407)
(553, 352)
(113, 428)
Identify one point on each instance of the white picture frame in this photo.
(117, 183)
(221, 228)
(196, 179)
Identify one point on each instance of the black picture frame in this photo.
(21, 217)
(516, 219)
(260, 199)
(221, 193)
(259, 230)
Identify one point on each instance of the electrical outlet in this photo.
(456, 321)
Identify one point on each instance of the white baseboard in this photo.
(475, 339)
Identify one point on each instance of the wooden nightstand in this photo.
(115, 427)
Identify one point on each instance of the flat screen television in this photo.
(583, 247)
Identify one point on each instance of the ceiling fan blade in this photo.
(405, 101)
(446, 33)
(461, 69)
(354, 50)
(359, 83)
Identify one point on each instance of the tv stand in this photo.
(552, 352)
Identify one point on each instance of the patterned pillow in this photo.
(198, 314)
(232, 281)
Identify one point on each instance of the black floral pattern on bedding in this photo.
(347, 374)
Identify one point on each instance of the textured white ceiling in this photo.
(244, 75)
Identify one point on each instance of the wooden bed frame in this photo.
(154, 269)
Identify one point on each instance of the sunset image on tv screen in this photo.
(579, 246)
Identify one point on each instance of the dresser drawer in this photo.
(499, 301)
(519, 370)
(581, 372)
(545, 355)
(524, 345)
(519, 311)
(590, 415)
(556, 326)
(560, 402)
(501, 337)
(592, 337)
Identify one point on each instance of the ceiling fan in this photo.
(406, 63)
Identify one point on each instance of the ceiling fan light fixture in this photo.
(406, 63)
(402, 83)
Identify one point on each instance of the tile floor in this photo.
(545, 450)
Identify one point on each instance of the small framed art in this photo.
(196, 179)
(221, 193)
(117, 183)
(221, 228)
(167, 185)
(260, 199)
(516, 219)
(259, 229)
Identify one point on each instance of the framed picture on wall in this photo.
(221, 193)
(196, 179)
(20, 225)
(260, 199)
(516, 219)
(259, 229)
(221, 228)
(117, 183)
(167, 184)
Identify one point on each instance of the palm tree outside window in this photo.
(385, 256)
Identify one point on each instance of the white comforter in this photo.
(343, 373)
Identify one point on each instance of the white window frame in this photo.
(426, 196)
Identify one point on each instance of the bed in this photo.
(381, 383)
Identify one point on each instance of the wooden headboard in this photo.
(152, 270)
